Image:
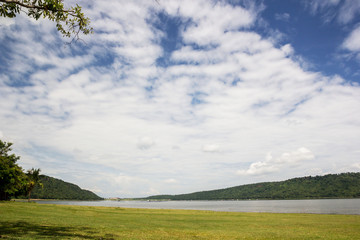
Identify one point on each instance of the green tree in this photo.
(33, 178)
(69, 21)
(12, 177)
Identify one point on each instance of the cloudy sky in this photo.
(174, 97)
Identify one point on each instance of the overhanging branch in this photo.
(39, 7)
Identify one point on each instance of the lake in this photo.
(319, 206)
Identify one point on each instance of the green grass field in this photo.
(20, 220)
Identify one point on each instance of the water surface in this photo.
(320, 206)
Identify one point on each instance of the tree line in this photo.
(14, 180)
(58, 189)
(344, 185)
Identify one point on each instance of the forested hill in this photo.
(57, 189)
(345, 185)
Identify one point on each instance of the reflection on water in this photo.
(322, 206)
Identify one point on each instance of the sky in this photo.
(171, 97)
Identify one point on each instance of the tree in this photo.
(69, 21)
(12, 177)
(33, 178)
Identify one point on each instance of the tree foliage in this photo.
(69, 21)
(33, 179)
(13, 180)
(12, 177)
(345, 185)
(57, 189)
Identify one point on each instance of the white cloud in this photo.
(287, 49)
(145, 143)
(282, 17)
(210, 21)
(343, 11)
(349, 11)
(316, 172)
(319, 5)
(273, 165)
(171, 180)
(352, 42)
(6, 21)
(356, 166)
(211, 148)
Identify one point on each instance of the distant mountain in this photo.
(345, 185)
(58, 189)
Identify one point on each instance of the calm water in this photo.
(322, 206)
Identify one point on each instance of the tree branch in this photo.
(31, 6)
(73, 18)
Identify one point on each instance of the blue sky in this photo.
(182, 96)
(316, 29)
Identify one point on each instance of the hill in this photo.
(57, 189)
(345, 185)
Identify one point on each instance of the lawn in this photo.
(19, 220)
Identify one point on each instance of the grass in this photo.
(20, 220)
